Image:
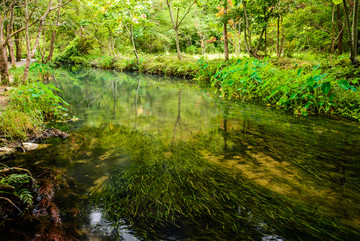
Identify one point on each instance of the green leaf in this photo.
(293, 96)
(325, 87)
(344, 84)
(299, 72)
(337, 2)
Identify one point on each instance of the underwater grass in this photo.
(173, 185)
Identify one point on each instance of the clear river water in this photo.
(153, 158)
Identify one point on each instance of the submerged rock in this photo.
(52, 132)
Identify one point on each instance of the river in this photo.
(154, 158)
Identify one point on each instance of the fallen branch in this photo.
(9, 201)
(7, 170)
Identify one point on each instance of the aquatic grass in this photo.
(173, 185)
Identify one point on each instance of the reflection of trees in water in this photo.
(179, 123)
(136, 101)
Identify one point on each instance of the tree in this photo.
(176, 24)
(352, 27)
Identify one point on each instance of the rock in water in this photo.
(49, 133)
(30, 146)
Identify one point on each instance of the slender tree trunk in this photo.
(4, 68)
(177, 43)
(333, 38)
(260, 41)
(175, 26)
(28, 47)
(133, 43)
(348, 24)
(18, 47)
(247, 33)
(282, 38)
(11, 46)
(355, 29)
(30, 53)
(266, 41)
(52, 45)
(53, 35)
(278, 37)
(240, 37)
(340, 29)
(225, 33)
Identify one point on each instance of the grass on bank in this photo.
(30, 104)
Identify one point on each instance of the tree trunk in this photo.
(348, 24)
(340, 29)
(30, 53)
(18, 47)
(178, 44)
(52, 45)
(225, 33)
(240, 37)
(282, 50)
(11, 46)
(333, 38)
(175, 26)
(265, 41)
(53, 36)
(260, 41)
(247, 33)
(355, 29)
(278, 37)
(4, 68)
(133, 43)
(28, 48)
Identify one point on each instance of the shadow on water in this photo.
(151, 159)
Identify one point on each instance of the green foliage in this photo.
(75, 52)
(17, 125)
(104, 62)
(252, 79)
(43, 71)
(40, 99)
(16, 186)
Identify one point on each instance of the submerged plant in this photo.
(174, 185)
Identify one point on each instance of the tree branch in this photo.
(188, 11)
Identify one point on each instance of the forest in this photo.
(179, 120)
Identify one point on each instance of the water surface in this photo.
(300, 175)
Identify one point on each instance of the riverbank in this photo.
(24, 109)
(304, 87)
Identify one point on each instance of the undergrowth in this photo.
(301, 91)
(30, 104)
